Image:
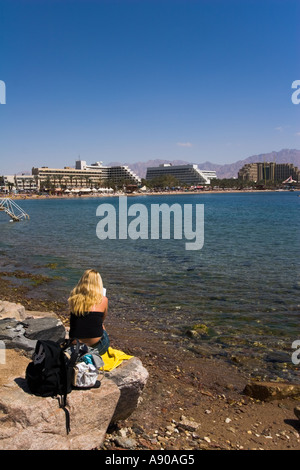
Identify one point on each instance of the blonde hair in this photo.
(87, 292)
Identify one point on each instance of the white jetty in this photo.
(12, 209)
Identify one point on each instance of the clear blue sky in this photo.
(136, 80)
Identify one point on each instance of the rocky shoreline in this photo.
(189, 403)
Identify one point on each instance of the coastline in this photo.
(206, 391)
(156, 193)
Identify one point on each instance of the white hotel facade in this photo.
(186, 174)
(84, 176)
(97, 175)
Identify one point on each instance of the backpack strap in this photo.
(62, 400)
(75, 353)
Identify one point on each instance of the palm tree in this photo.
(54, 182)
(10, 186)
(47, 183)
(60, 177)
(71, 179)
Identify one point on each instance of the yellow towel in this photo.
(113, 358)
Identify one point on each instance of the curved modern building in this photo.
(186, 174)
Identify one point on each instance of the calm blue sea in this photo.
(243, 285)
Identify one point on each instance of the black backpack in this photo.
(51, 371)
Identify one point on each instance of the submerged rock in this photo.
(198, 330)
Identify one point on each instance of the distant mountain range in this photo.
(229, 170)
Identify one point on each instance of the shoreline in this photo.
(204, 390)
(157, 193)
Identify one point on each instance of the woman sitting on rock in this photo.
(88, 310)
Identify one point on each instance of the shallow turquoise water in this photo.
(243, 284)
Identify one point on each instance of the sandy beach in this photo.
(21, 197)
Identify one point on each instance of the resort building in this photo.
(19, 183)
(84, 176)
(185, 174)
(269, 171)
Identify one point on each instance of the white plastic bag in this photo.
(85, 375)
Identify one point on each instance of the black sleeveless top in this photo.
(89, 325)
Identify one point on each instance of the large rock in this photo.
(49, 328)
(268, 391)
(29, 422)
(12, 310)
(130, 377)
(24, 334)
(12, 335)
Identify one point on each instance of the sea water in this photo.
(238, 294)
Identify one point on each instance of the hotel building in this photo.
(84, 176)
(269, 171)
(185, 174)
(19, 183)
